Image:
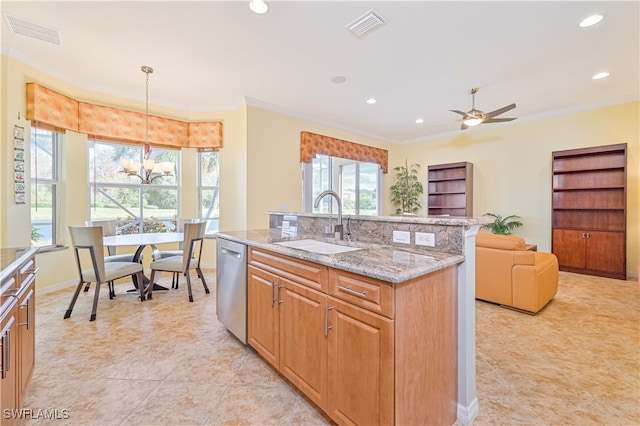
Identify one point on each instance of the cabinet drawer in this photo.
(368, 293)
(300, 271)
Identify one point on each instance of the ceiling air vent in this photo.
(33, 29)
(366, 23)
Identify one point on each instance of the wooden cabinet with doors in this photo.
(17, 334)
(363, 350)
(589, 210)
(450, 189)
(287, 316)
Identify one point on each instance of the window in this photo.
(209, 178)
(357, 183)
(136, 206)
(44, 187)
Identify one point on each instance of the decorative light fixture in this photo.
(150, 170)
(259, 6)
(472, 121)
(591, 20)
(600, 75)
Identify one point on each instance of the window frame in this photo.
(215, 188)
(139, 220)
(335, 178)
(54, 181)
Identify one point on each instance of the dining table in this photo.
(141, 241)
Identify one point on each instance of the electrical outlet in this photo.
(402, 237)
(425, 239)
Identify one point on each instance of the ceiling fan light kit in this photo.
(474, 116)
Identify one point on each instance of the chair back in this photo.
(108, 230)
(193, 239)
(89, 238)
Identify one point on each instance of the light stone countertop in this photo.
(383, 262)
(12, 258)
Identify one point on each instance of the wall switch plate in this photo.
(425, 239)
(402, 237)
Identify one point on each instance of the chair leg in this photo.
(95, 302)
(73, 300)
(86, 287)
(189, 286)
(149, 289)
(201, 275)
(112, 291)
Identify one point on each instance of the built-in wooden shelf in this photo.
(450, 189)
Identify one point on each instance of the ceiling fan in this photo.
(474, 116)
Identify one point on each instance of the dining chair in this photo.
(161, 254)
(108, 230)
(95, 269)
(190, 259)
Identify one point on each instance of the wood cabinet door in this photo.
(9, 365)
(569, 246)
(303, 345)
(263, 325)
(360, 366)
(27, 317)
(605, 252)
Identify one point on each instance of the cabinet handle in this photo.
(348, 290)
(327, 327)
(278, 294)
(6, 352)
(13, 292)
(273, 292)
(28, 323)
(588, 235)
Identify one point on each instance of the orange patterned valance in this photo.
(51, 108)
(312, 144)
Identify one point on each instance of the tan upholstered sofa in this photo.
(508, 274)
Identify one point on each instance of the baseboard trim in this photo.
(467, 414)
(56, 287)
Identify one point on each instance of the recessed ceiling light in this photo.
(371, 101)
(591, 20)
(259, 6)
(338, 79)
(419, 121)
(600, 75)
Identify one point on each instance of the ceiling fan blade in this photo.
(500, 111)
(459, 112)
(498, 120)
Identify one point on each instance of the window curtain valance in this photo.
(54, 109)
(312, 144)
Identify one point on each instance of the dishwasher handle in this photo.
(230, 252)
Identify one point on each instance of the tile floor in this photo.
(169, 362)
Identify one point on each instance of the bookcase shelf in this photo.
(450, 189)
(589, 210)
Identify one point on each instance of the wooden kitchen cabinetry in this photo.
(450, 189)
(589, 210)
(17, 336)
(364, 351)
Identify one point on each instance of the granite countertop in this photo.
(12, 258)
(383, 262)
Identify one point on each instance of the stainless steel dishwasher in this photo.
(231, 294)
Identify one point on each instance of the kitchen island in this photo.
(369, 335)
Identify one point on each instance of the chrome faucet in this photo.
(337, 229)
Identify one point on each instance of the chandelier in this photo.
(148, 170)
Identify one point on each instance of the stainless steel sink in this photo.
(315, 246)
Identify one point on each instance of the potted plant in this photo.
(405, 193)
(502, 225)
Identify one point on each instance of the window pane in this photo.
(321, 178)
(42, 214)
(115, 203)
(348, 189)
(209, 169)
(368, 189)
(43, 155)
(210, 209)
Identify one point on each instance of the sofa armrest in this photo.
(535, 285)
(524, 257)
